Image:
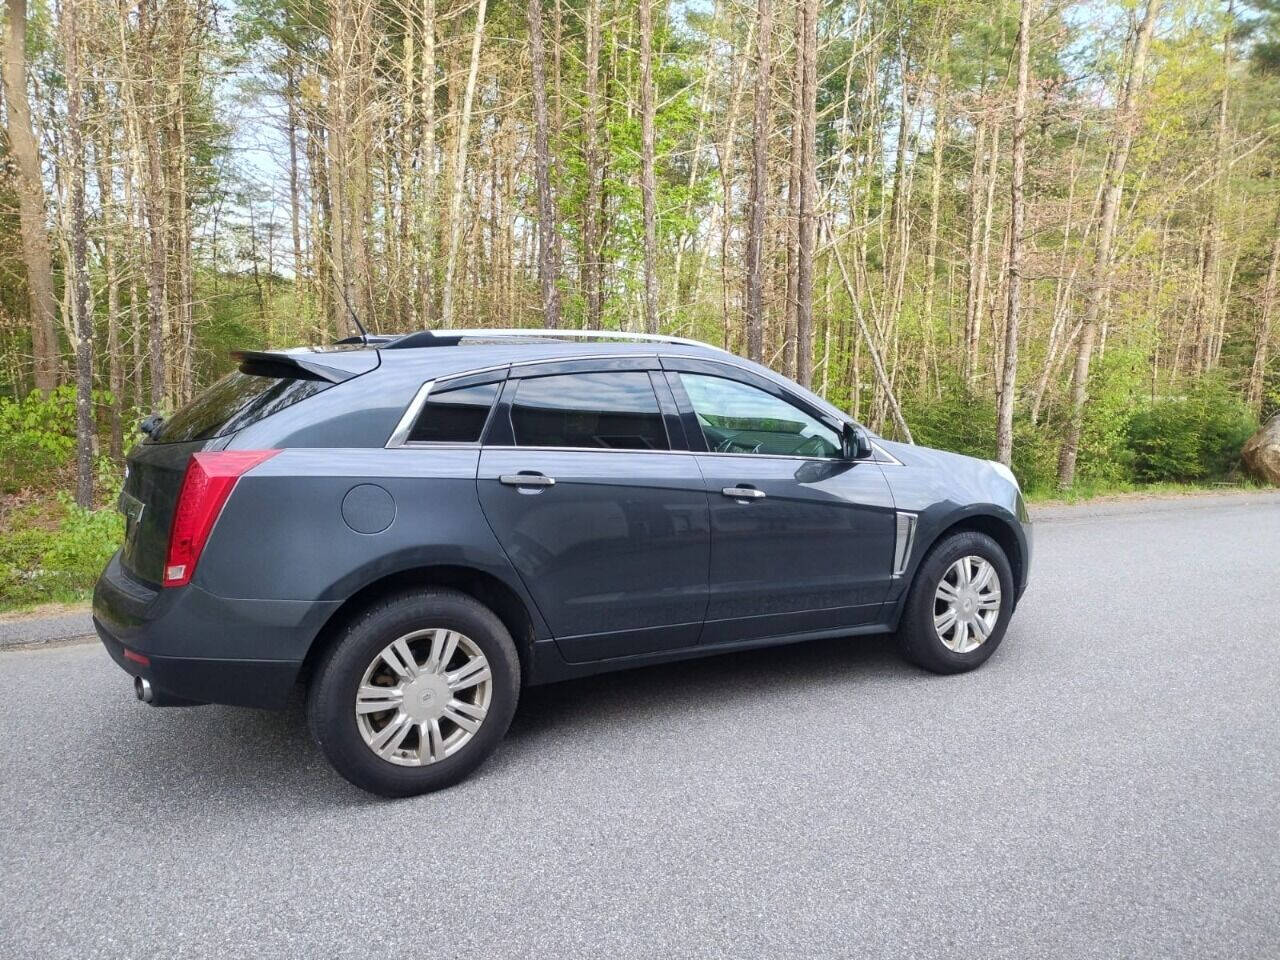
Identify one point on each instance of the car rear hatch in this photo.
(265, 383)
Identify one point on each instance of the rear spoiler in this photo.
(307, 365)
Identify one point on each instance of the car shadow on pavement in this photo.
(704, 685)
(267, 760)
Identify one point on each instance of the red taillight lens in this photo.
(208, 483)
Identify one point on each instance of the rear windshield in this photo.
(234, 402)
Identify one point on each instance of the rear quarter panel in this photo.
(283, 535)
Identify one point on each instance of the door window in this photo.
(611, 411)
(738, 418)
(454, 416)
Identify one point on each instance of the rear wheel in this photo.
(416, 692)
(959, 605)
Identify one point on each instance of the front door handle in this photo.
(527, 480)
(743, 493)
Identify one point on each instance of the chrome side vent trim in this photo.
(906, 536)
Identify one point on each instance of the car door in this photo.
(606, 525)
(802, 537)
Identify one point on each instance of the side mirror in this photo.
(857, 445)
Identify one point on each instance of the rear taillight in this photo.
(208, 483)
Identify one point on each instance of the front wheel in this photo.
(415, 693)
(959, 605)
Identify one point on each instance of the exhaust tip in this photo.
(142, 689)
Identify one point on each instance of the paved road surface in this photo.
(15, 630)
(1107, 786)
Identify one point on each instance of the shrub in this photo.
(1190, 438)
(54, 551)
(959, 421)
(37, 436)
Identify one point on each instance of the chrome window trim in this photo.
(884, 457)
(399, 436)
(457, 445)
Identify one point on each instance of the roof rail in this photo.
(442, 338)
(369, 341)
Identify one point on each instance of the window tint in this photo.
(737, 418)
(234, 402)
(615, 411)
(454, 416)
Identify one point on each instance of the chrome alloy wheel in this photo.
(966, 605)
(423, 697)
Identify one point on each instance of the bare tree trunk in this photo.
(31, 202)
(460, 170)
(935, 203)
(877, 364)
(82, 309)
(808, 195)
(759, 185)
(984, 254)
(648, 181)
(1262, 344)
(295, 217)
(695, 165)
(426, 268)
(727, 169)
(115, 362)
(152, 192)
(548, 235)
(1208, 303)
(589, 269)
(793, 199)
(975, 246)
(1126, 123)
(338, 162)
(1017, 216)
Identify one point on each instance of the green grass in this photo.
(51, 551)
(1083, 492)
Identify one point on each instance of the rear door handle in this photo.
(743, 493)
(527, 480)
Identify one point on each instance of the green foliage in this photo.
(1187, 439)
(964, 423)
(1195, 437)
(54, 552)
(957, 421)
(1115, 382)
(37, 436)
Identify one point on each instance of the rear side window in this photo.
(454, 416)
(234, 402)
(610, 411)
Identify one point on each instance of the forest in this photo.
(1040, 231)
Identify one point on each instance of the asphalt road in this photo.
(1108, 785)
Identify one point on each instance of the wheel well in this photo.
(484, 587)
(997, 530)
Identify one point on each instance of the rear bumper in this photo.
(194, 645)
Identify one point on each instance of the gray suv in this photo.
(417, 527)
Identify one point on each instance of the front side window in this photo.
(609, 411)
(454, 416)
(737, 418)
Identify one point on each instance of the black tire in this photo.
(917, 637)
(334, 684)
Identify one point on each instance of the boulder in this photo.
(1261, 452)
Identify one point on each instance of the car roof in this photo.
(489, 348)
(439, 353)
